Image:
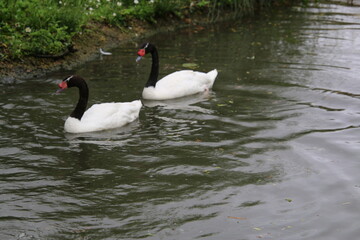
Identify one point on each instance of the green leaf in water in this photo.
(190, 65)
(287, 227)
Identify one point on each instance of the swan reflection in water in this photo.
(185, 103)
(116, 137)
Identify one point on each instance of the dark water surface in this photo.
(273, 152)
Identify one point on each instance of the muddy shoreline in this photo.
(87, 46)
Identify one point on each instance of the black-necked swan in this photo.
(175, 85)
(98, 117)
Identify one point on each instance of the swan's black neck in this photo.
(153, 78)
(83, 99)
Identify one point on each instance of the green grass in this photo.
(47, 27)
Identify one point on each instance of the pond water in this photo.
(271, 153)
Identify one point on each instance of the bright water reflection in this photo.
(271, 153)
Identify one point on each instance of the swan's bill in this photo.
(138, 58)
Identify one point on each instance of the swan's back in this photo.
(104, 116)
(180, 84)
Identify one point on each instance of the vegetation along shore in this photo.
(37, 36)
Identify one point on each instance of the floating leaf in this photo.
(190, 65)
(239, 218)
(22, 235)
(287, 227)
(288, 200)
(257, 229)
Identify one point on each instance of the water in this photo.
(271, 153)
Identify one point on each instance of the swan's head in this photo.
(68, 82)
(144, 49)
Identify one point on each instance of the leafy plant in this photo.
(33, 27)
(53, 41)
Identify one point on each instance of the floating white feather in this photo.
(104, 53)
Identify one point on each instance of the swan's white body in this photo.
(180, 84)
(104, 116)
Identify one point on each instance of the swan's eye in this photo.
(141, 52)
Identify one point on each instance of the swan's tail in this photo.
(212, 76)
(136, 106)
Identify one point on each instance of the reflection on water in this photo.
(270, 153)
(185, 103)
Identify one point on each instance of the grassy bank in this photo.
(38, 36)
(46, 28)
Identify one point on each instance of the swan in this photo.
(99, 116)
(175, 85)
